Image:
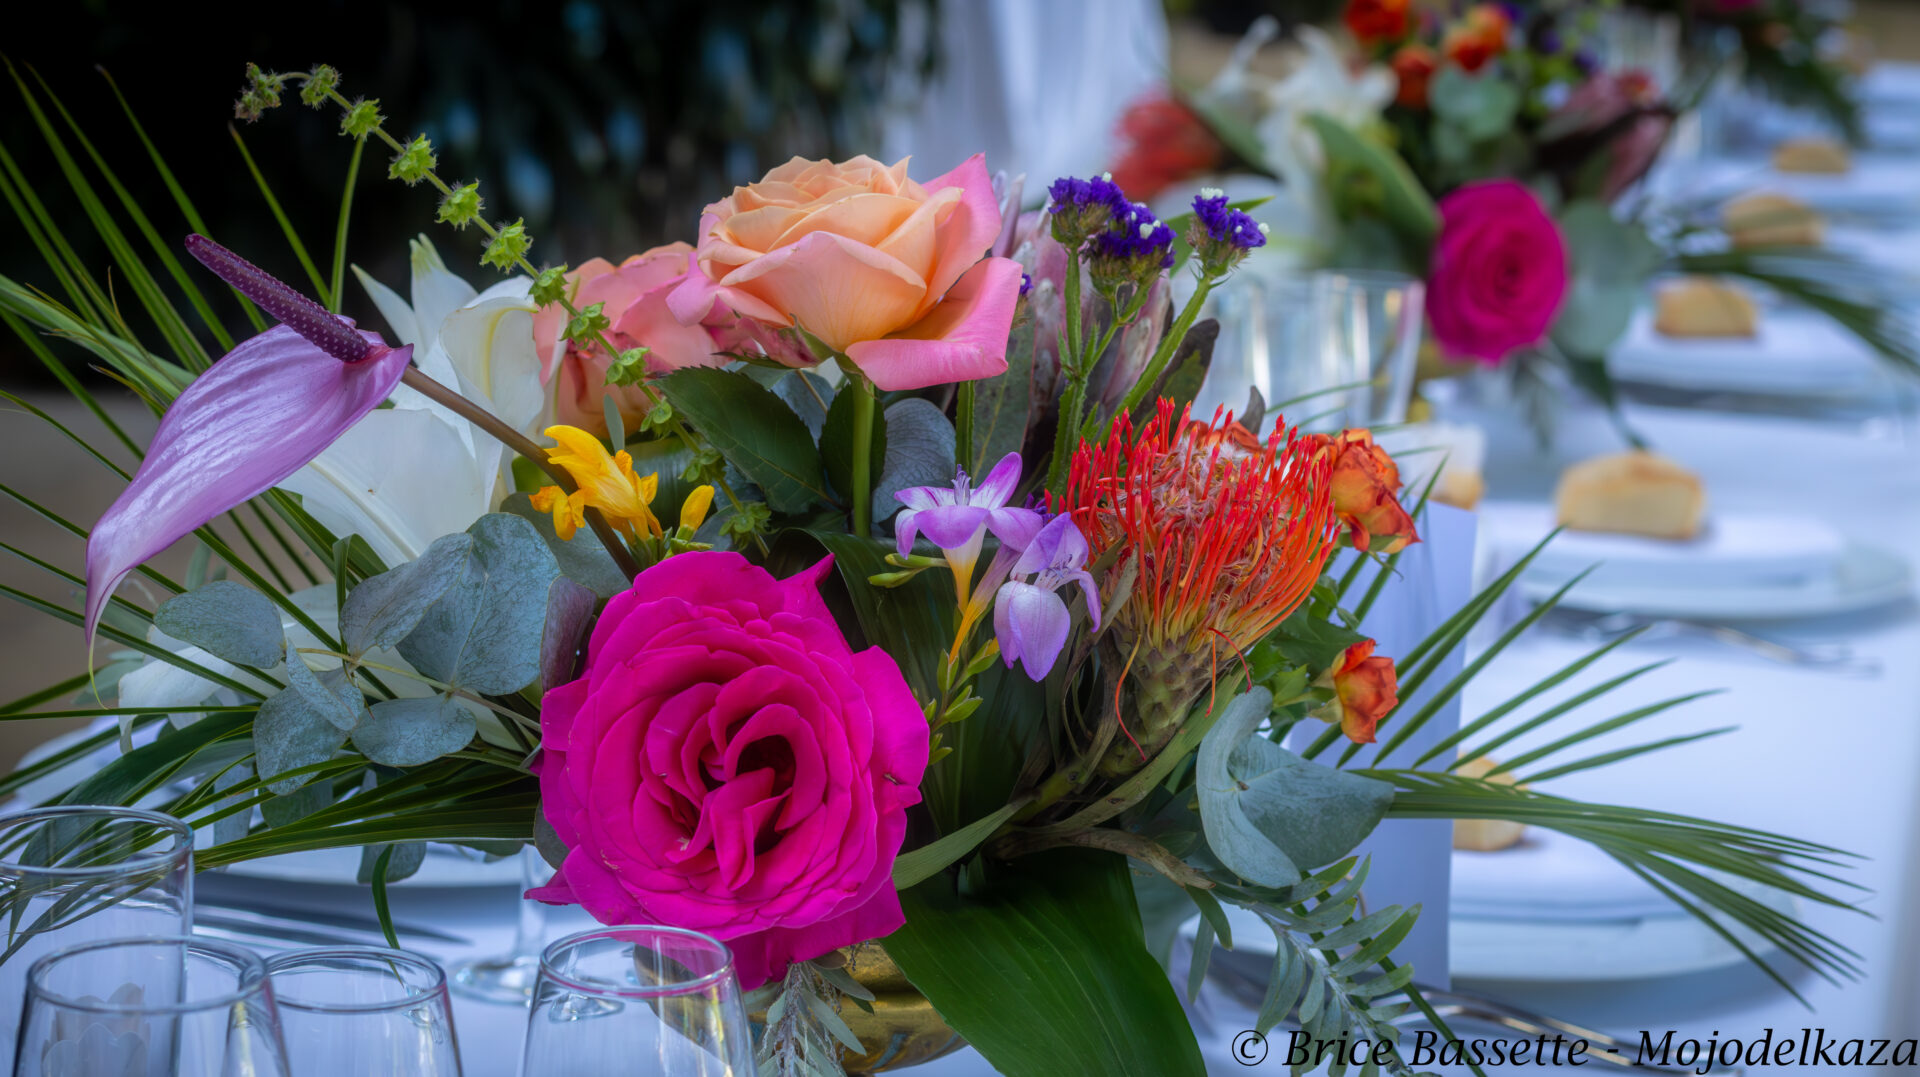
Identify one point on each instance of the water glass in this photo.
(359, 1009)
(173, 1006)
(75, 874)
(1270, 340)
(656, 1001)
(1370, 326)
(508, 978)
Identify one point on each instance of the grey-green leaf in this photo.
(290, 732)
(1267, 812)
(331, 693)
(569, 612)
(296, 805)
(485, 632)
(228, 620)
(407, 858)
(920, 444)
(1001, 404)
(409, 732)
(1611, 262)
(383, 609)
(582, 558)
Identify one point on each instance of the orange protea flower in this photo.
(1163, 142)
(1366, 485)
(1225, 536)
(1365, 688)
(1479, 37)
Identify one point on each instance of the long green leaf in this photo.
(286, 226)
(930, 859)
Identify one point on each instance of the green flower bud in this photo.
(630, 368)
(461, 206)
(748, 519)
(583, 327)
(414, 163)
(550, 286)
(322, 81)
(362, 118)
(508, 247)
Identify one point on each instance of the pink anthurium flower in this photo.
(254, 418)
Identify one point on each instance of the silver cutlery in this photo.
(209, 911)
(1602, 627)
(1608, 1050)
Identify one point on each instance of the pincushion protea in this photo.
(1226, 535)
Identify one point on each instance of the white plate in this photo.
(1866, 576)
(444, 866)
(1793, 352)
(1547, 951)
(1876, 185)
(1736, 549)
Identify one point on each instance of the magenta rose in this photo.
(1499, 271)
(726, 763)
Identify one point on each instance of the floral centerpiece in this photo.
(863, 580)
(1487, 150)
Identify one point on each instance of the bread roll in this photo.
(1631, 493)
(1704, 307)
(1772, 220)
(1485, 835)
(1811, 155)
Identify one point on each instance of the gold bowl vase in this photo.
(903, 1030)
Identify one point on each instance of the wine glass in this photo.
(508, 978)
(1270, 340)
(1370, 327)
(360, 1009)
(75, 873)
(171, 1006)
(658, 1001)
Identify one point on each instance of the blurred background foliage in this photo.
(606, 124)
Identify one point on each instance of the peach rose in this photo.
(635, 298)
(1365, 486)
(891, 273)
(1365, 687)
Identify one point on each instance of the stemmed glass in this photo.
(508, 978)
(358, 1009)
(72, 874)
(174, 1006)
(1371, 323)
(648, 1000)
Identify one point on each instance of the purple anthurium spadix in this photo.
(255, 417)
(1030, 618)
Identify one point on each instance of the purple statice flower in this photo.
(1026, 283)
(957, 518)
(1082, 208)
(1222, 236)
(1136, 238)
(1030, 618)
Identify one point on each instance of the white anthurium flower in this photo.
(405, 475)
(1322, 83)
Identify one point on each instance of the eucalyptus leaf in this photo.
(485, 632)
(297, 805)
(289, 732)
(407, 858)
(228, 620)
(569, 613)
(920, 452)
(582, 558)
(755, 430)
(232, 827)
(546, 842)
(1611, 262)
(1269, 813)
(383, 609)
(409, 732)
(1482, 106)
(331, 693)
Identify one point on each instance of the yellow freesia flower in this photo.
(607, 483)
(693, 511)
(568, 510)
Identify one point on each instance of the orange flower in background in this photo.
(1414, 65)
(1373, 21)
(1365, 484)
(1479, 37)
(1163, 143)
(1365, 688)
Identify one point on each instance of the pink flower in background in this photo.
(1620, 114)
(1499, 271)
(726, 763)
(890, 272)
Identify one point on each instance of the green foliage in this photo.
(586, 326)
(1061, 934)
(483, 631)
(630, 368)
(1612, 261)
(836, 446)
(1366, 179)
(414, 163)
(919, 451)
(755, 431)
(1003, 404)
(227, 620)
(461, 207)
(322, 83)
(362, 118)
(409, 732)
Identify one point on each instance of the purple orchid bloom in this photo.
(255, 417)
(957, 519)
(1030, 619)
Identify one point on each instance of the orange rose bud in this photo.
(1479, 37)
(1365, 484)
(1364, 687)
(1376, 20)
(1414, 65)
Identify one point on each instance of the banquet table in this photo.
(1819, 755)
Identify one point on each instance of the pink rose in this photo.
(1499, 271)
(888, 272)
(726, 763)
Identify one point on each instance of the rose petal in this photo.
(962, 339)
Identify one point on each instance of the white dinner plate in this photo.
(444, 866)
(1558, 951)
(1866, 576)
(1879, 185)
(1793, 351)
(1735, 549)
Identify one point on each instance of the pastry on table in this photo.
(1704, 307)
(1631, 493)
(1821, 155)
(1457, 451)
(1772, 220)
(1485, 835)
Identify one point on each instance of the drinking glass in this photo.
(656, 1001)
(1370, 326)
(360, 1009)
(508, 978)
(76, 873)
(174, 1006)
(1270, 340)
